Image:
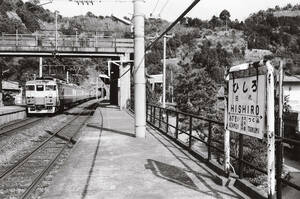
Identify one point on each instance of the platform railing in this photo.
(175, 124)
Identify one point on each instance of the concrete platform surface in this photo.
(110, 163)
(11, 109)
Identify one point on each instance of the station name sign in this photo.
(247, 102)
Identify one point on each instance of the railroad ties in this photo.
(23, 177)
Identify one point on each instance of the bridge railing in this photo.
(203, 138)
(73, 41)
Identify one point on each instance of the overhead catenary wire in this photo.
(173, 24)
(154, 9)
(164, 6)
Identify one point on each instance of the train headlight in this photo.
(30, 100)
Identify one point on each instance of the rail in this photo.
(20, 165)
(182, 128)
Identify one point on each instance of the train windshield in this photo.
(50, 87)
(30, 87)
(39, 87)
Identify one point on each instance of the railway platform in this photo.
(108, 162)
(11, 113)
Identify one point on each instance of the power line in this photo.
(174, 23)
(154, 8)
(162, 9)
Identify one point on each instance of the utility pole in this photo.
(164, 73)
(97, 87)
(56, 34)
(139, 69)
(164, 70)
(41, 68)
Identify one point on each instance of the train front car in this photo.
(42, 96)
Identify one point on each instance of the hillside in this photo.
(202, 45)
(29, 18)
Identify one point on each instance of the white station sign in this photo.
(247, 105)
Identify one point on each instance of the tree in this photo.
(195, 91)
(90, 14)
(35, 2)
(225, 15)
(214, 22)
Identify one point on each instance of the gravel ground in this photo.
(17, 145)
(26, 139)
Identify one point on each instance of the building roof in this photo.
(155, 78)
(291, 79)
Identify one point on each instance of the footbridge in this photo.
(47, 45)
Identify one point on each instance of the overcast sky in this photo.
(205, 9)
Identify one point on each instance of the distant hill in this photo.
(201, 43)
(287, 13)
(30, 18)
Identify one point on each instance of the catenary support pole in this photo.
(97, 86)
(56, 33)
(41, 68)
(139, 70)
(270, 131)
(164, 72)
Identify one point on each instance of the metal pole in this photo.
(76, 38)
(17, 37)
(67, 76)
(97, 81)
(281, 99)
(241, 154)
(280, 159)
(56, 35)
(41, 68)
(1, 91)
(172, 91)
(164, 73)
(139, 69)
(270, 131)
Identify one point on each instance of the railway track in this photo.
(13, 127)
(21, 178)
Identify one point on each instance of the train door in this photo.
(114, 90)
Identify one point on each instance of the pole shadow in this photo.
(111, 130)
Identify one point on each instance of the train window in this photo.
(39, 87)
(50, 87)
(29, 87)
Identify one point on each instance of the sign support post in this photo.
(270, 131)
(250, 111)
(226, 141)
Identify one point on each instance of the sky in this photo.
(168, 9)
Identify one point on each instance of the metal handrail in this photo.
(191, 115)
(152, 119)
